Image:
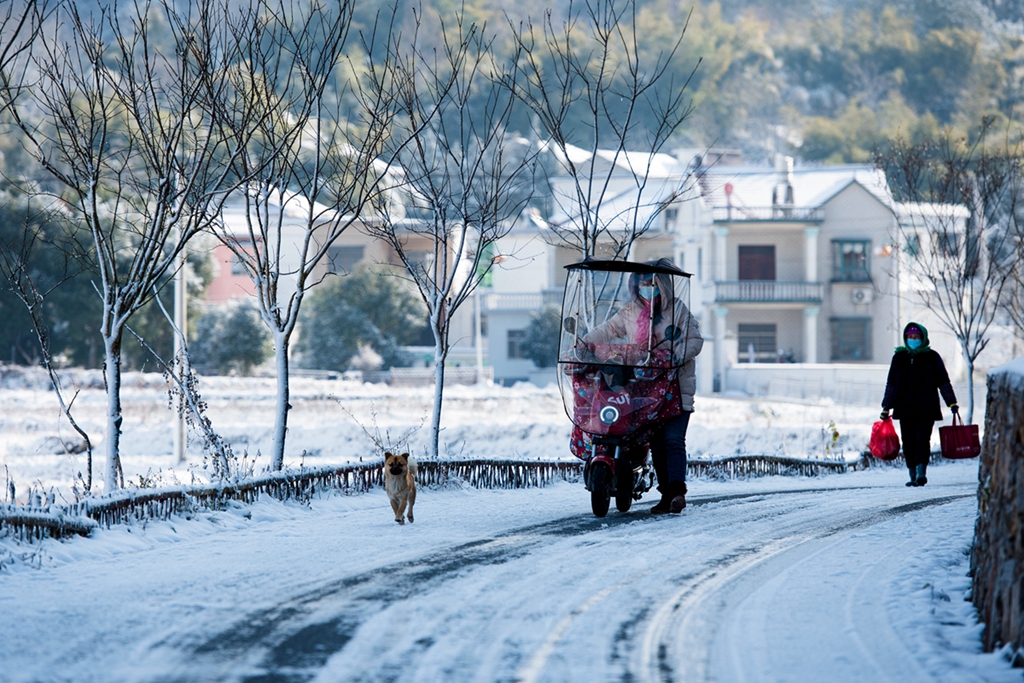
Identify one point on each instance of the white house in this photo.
(794, 274)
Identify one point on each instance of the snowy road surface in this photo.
(839, 578)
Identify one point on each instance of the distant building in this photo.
(790, 266)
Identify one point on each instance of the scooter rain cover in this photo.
(621, 346)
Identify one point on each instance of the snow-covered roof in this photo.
(660, 165)
(620, 208)
(920, 210)
(752, 186)
(294, 205)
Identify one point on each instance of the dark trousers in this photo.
(917, 440)
(668, 450)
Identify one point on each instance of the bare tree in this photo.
(958, 228)
(20, 23)
(464, 176)
(317, 157)
(590, 91)
(115, 116)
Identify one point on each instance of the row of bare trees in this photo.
(148, 118)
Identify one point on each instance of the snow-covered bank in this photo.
(333, 422)
(130, 603)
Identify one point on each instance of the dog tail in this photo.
(414, 467)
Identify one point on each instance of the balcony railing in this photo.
(521, 302)
(768, 291)
(734, 214)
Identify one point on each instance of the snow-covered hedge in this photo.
(302, 484)
(998, 557)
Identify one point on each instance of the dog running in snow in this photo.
(400, 484)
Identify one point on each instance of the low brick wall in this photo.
(997, 561)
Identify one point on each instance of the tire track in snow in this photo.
(679, 643)
(296, 637)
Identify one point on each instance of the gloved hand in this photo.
(884, 415)
(955, 409)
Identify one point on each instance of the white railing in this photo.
(768, 291)
(734, 214)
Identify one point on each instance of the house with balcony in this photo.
(803, 270)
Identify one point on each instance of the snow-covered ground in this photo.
(333, 421)
(845, 577)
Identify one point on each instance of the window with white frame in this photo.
(850, 260)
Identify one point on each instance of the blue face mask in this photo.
(913, 343)
(648, 292)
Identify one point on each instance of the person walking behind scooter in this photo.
(916, 377)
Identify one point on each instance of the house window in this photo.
(913, 246)
(757, 262)
(343, 259)
(757, 343)
(851, 338)
(850, 260)
(515, 343)
(237, 265)
(671, 218)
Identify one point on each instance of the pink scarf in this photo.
(643, 324)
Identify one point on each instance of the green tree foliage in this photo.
(230, 339)
(541, 341)
(59, 266)
(368, 308)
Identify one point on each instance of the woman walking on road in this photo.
(916, 377)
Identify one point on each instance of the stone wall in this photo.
(997, 561)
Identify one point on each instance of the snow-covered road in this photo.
(840, 578)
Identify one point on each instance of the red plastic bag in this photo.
(959, 440)
(884, 444)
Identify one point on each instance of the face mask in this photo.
(648, 292)
(913, 343)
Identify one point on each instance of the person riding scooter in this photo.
(654, 320)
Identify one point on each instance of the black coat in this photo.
(912, 389)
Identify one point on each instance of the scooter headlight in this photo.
(609, 415)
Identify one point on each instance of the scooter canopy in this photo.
(623, 337)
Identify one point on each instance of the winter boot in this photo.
(663, 506)
(677, 491)
(921, 479)
(913, 476)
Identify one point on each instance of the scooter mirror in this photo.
(569, 325)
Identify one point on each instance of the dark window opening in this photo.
(757, 262)
(851, 338)
(515, 344)
(343, 259)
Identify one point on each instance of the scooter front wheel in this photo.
(600, 489)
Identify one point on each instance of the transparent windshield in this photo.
(624, 331)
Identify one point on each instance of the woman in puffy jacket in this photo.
(917, 376)
(653, 316)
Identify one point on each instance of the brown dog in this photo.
(400, 484)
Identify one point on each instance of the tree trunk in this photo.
(112, 378)
(281, 419)
(435, 421)
(970, 390)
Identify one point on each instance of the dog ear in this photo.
(404, 456)
(388, 455)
